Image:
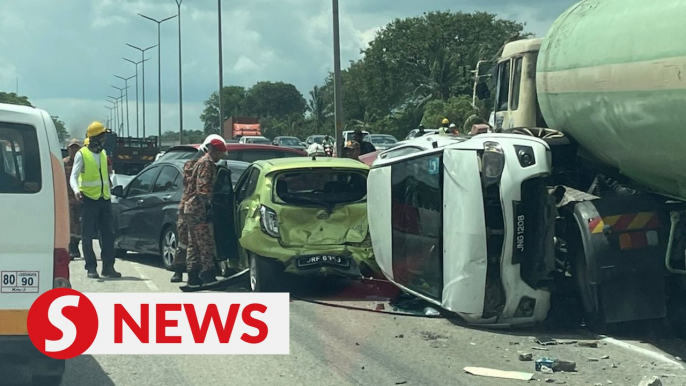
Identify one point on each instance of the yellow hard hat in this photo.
(86, 142)
(445, 121)
(96, 128)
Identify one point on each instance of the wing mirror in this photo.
(118, 191)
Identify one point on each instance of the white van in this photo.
(34, 230)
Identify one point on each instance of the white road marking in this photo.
(145, 279)
(640, 350)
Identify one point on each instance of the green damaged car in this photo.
(303, 216)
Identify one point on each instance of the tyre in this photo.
(265, 275)
(168, 245)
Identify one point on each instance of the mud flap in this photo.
(620, 282)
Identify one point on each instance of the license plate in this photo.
(307, 261)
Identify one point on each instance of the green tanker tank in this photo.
(611, 74)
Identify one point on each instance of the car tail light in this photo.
(61, 268)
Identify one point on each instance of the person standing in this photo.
(74, 204)
(199, 216)
(352, 150)
(91, 185)
(366, 147)
(445, 126)
(421, 131)
(179, 263)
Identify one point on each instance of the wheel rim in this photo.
(169, 248)
(253, 273)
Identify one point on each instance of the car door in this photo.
(129, 214)
(166, 194)
(244, 192)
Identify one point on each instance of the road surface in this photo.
(339, 346)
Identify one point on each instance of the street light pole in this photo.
(142, 50)
(120, 122)
(121, 92)
(337, 81)
(221, 68)
(159, 77)
(116, 111)
(178, 14)
(136, 64)
(126, 86)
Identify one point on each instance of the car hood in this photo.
(346, 224)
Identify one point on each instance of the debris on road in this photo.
(540, 348)
(493, 373)
(545, 341)
(427, 335)
(428, 311)
(563, 365)
(588, 343)
(525, 356)
(549, 380)
(566, 341)
(650, 381)
(593, 359)
(380, 307)
(400, 336)
(401, 383)
(547, 362)
(546, 370)
(605, 357)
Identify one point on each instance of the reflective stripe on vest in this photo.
(94, 181)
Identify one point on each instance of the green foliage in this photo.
(62, 132)
(273, 99)
(233, 99)
(14, 99)
(456, 109)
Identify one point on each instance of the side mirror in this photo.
(118, 191)
(482, 91)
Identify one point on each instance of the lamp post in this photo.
(109, 119)
(178, 14)
(136, 64)
(159, 76)
(115, 100)
(221, 67)
(337, 81)
(126, 86)
(142, 50)
(121, 91)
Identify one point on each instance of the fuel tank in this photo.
(611, 74)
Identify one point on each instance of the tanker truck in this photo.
(606, 89)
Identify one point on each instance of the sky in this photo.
(64, 54)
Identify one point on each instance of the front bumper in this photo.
(361, 256)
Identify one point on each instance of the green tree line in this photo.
(14, 99)
(415, 71)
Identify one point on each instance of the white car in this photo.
(467, 224)
(259, 140)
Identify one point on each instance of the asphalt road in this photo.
(337, 346)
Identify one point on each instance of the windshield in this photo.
(317, 139)
(383, 140)
(320, 187)
(289, 142)
(258, 141)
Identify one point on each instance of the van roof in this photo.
(19, 109)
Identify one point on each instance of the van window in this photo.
(503, 86)
(20, 170)
(416, 218)
(516, 84)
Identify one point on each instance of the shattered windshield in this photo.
(320, 187)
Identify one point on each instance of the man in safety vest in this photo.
(91, 184)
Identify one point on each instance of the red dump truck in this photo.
(237, 127)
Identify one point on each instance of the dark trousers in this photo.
(96, 216)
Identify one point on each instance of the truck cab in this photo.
(468, 226)
(515, 102)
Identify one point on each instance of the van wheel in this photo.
(168, 245)
(265, 275)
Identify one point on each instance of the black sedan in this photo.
(146, 210)
(291, 142)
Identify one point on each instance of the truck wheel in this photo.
(265, 275)
(595, 319)
(168, 244)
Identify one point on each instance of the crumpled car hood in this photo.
(313, 226)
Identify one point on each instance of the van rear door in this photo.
(27, 213)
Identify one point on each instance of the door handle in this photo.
(167, 197)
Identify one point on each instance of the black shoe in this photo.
(110, 273)
(93, 274)
(193, 278)
(208, 277)
(177, 278)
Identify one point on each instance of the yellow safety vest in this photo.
(94, 183)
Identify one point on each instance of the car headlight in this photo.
(269, 222)
(493, 163)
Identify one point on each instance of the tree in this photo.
(319, 108)
(62, 132)
(456, 109)
(273, 99)
(14, 99)
(233, 99)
